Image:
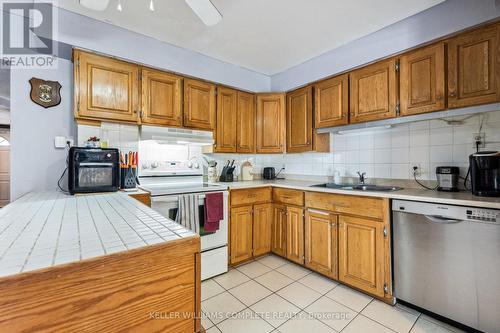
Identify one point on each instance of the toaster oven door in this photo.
(95, 176)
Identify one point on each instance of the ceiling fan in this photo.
(205, 9)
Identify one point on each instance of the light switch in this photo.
(60, 142)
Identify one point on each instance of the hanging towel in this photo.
(188, 214)
(214, 211)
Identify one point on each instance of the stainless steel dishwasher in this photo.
(447, 261)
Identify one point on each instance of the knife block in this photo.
(227, 174)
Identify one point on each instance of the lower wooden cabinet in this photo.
(278, 231)
(295, 234)
(262, 221)
(321, 242)
(241, 234)
(361, 254)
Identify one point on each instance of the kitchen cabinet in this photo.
(473, 67)
(245, 127)
(105, 88)
(321, 242)
(331, 101)
(262, 221)
(161, 98)
(226, 120)
(199, 104)
(373, 92)
(270, 123)
(299, 126)
(295, 234)
(361, 254)
(422, 80)
(241, 227)
(278, 231)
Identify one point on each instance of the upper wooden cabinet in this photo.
(199, 104)
(161, 98)
(295, 234)
(422, 80)
(226, 120)
(245, 129)
(105, 88)
(331, 102)
(270, 123)
(373, 92)
(299, 127)
(473, 67)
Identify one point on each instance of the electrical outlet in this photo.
(416, 169)
(479, 137)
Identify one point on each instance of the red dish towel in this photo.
(214, 210)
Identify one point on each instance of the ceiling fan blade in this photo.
(206, 11)
(99, 5)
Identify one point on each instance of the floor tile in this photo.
(219, 307)
(440, 323)
(425, 326)
(210, 288)
(275, 310)
(273, 261)
(205, 322)
(349, 297)
(213, 330)
(299, 295)
(361, 324)
(250, 292)
(334, 314)
(304, 322)
(318, 283)
(293, 271)
(395, 318)
(245, 321)
(274, 280)
(254, 269)
(231, 279)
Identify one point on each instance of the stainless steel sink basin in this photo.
(359, 187)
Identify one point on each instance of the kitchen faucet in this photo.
(361, 177)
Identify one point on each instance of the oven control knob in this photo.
(190, 165)
(154, 165)
(145, 166)
(196, 165)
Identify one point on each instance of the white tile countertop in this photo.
(44, 229)
(452, 198)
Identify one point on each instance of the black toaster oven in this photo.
(93, 170)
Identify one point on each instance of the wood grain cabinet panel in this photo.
(331, 100)
(299, 129)
(270, 123)
(361, 254)
(199, 104)
(161, 98)
(295, 234)
(373, 92)
(226, 120)
(245, 132)
(321, 242)
(278, 231)
(105, 88)
(262, 224)
(422, 80)
(251, 196)
(473, 67)
(241, 234)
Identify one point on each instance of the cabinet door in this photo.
(321, 242)
(105, 88)
(361, 254)
(331, 102)
(270, 123)
(278, 232)
(246, 123)
(262, 220)
(161, 98)
(473, 69)
(226, 120)
(373, 92)
(295, 234)
(199, 104)
(422, 80)
(299, 127)
(241, 234)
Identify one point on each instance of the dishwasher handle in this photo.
(442, 219)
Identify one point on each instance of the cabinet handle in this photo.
(452, 94)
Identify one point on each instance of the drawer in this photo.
(250, 196)
(349, 204)
(288, 196)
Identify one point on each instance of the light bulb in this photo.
(119, 7)
(151, 6)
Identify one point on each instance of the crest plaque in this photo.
(45, 93)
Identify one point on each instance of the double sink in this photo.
(359, 187)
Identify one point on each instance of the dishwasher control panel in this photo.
(479, 214)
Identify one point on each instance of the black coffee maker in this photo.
(485, 173)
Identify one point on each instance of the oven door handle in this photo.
(95, 164)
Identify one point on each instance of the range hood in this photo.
(179, 136)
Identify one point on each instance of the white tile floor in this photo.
(272, 294)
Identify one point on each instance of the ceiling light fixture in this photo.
(151, 6)
(119, 7)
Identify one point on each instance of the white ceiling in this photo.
(267, 36)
